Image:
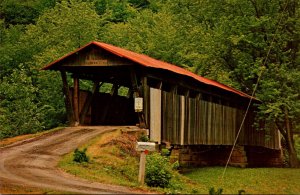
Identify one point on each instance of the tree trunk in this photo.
(293, 160)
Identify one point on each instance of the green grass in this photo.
(297, 145)
(110, 164)
(113, 165)
(106, 165)
(252, 180)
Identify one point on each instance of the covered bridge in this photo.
(178, 107)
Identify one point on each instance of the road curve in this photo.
(33, 162)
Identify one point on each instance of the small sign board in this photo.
(99, 62)
(142, 146)
(138, 104)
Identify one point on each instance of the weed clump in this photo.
(143, 138)
(126, 143)
(80, 156)
(212, 191)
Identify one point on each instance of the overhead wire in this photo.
(254, 90)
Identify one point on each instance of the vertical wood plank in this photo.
(76, 99)
(182, 119)
(164, 126)
(137, 93)
(209, 122)
(155, 115)
(146, 95)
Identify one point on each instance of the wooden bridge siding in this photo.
(171, 116)
(210, 123)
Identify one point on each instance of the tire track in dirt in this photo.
(33, 162)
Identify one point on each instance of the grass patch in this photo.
(297, 145)
(11, 140)
(253, 181)
(107, 163)
(113, 160)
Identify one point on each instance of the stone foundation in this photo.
(242, 156)
(264, 157)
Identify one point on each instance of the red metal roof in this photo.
(153, 63)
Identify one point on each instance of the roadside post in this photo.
(144, 148)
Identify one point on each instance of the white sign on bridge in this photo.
(138, 104)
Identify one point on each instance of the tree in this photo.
(15, 12)
(35, 101)
(233, 42)
(19, 113)
(253, 37)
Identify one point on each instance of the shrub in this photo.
(143, 138)
(165, 152)
(176, 165)
(80, 156)
(158, 171)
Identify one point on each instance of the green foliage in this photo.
(80, 156)
(19, 112)
(227, 42)
(165, 152)
(23, 12)
(32, 100)
(158, 171)
(176, 165)
(143, 138)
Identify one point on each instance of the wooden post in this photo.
(137, 94)
(88, 101)
(76, 100)
(142, 167)
(182, 119)
(146, 95)
(144, 148)
(68, 99)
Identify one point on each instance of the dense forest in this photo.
(236, 42)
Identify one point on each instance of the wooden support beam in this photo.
(67, 98)
(137, 93)
(114, 89)
(134, 83)
(159, 85)
(174, 89)
(89, 100)
(146, 95)
(198, 96)
(182, 119)
(187, 93)
(76, 100)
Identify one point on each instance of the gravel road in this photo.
(33, 162)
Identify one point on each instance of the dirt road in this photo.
(33, 162)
